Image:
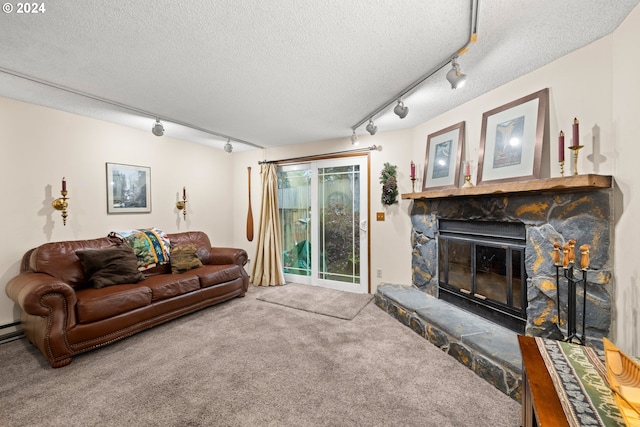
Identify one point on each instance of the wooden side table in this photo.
(540, 404)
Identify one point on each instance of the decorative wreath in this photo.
(389, 184)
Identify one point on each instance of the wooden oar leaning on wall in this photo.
(249, 213)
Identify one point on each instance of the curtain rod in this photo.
(320, 156)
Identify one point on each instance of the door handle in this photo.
(363, 225)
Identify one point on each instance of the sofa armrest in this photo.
(229, 256)
(48, 312)
(33, 292)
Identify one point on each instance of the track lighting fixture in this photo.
(371, 128)
(400, 110)
(354, 138)
(228, 147)
(158, 128)
(455, 76)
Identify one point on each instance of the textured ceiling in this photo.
(280, 72)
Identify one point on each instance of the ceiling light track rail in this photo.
(126, 107)
(322, 156)
(402, 110)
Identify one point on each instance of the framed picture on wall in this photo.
(511, 140)
(442, 161)
(128, 189)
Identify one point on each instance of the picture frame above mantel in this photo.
(512, 140)
(442, 160)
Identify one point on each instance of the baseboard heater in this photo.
(5, 338)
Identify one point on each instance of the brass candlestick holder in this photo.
(413, 185)
(182, 204)
(61, 204)
(467, 182)
(562, 168)
(576, 149)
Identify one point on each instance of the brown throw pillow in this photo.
(114, 265)
(184, 258)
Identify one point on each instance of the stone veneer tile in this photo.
(497, 343)
(408, 297)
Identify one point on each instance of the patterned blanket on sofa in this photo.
(151, 245)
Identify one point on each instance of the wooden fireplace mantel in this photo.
(569, 183)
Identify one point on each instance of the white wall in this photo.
(626, 155)
(41, 145)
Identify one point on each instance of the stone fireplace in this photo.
(548, 211)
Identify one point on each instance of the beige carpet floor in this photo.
(315, 299)
(250, 363)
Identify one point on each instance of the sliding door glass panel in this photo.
(339, 208)
(294, 201)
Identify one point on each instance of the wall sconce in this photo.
(182, 204)
(61, 204)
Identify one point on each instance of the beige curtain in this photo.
(267, 268)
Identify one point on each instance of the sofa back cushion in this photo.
(59, 259)
(115, 265)
(197, 238)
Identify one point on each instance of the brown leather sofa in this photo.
(64, 316)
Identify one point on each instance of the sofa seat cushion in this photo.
(166, 286)
(211, 275)
(98, 304)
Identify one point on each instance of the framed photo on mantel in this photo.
(442, 161)
(512, 140)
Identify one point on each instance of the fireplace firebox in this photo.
(481, 269)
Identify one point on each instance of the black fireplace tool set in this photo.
(575, 277)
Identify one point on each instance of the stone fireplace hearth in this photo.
(551, 213)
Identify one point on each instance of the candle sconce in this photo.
(182, 204)
(61, 204)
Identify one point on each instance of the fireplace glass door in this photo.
(483, 272)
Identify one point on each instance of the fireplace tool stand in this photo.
(573, 281)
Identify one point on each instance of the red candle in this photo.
(467, 169)
(561, 147)
(413, 170)
(184, 192)
(576, 136)
(64, 184)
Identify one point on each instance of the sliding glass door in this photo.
(323, 213)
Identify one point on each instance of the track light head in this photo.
(371, 128)
(354, 139)
(158, 128)
(400, 110)
(455, 76)
(228, 147)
